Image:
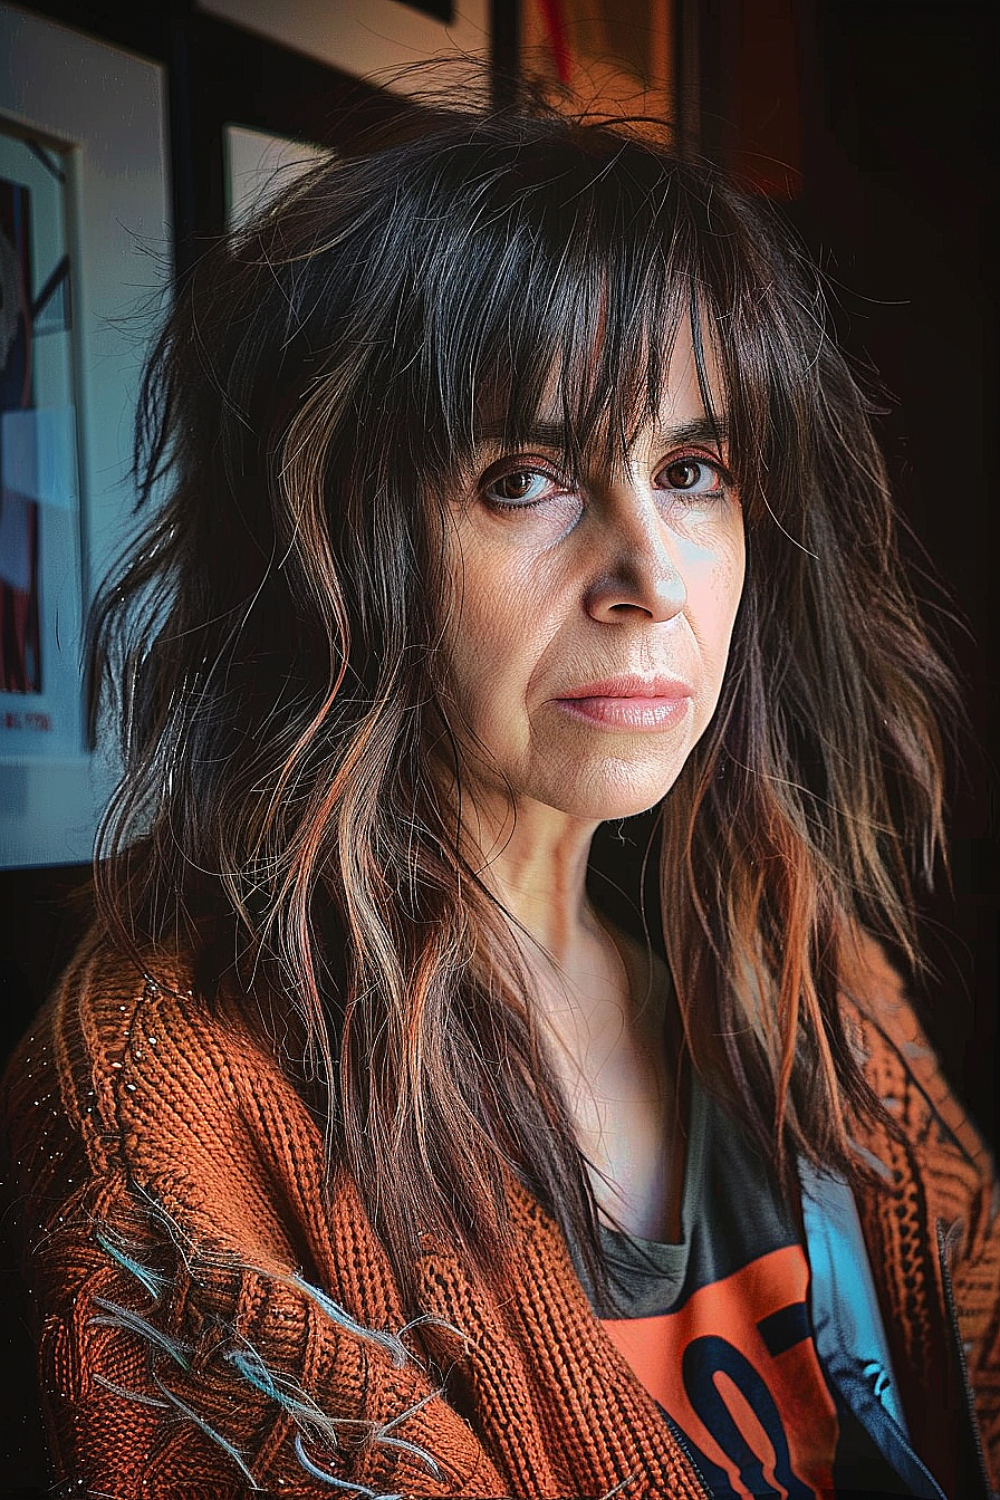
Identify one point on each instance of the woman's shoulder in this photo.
(892, 1042)
(939, 1147)
(111, 1013)
(130, 1072)
(67, 1067)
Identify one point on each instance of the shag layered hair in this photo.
(274, 642)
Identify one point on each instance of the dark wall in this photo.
(876, 121)
(901, 192)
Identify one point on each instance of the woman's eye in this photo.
(692, 476)
(518, 487)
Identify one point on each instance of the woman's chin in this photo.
(600, 796)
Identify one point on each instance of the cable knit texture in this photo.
(208, 1326)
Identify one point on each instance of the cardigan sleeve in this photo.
(189, 1280)
(964, 1194)
(941, 1193)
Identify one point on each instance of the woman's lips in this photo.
(629, 702)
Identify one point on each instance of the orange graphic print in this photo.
(736, 1369)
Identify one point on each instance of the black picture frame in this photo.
(440, 10)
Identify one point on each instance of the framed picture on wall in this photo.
(613, 58)
(40, 542)
(385, 42)
(84, 252)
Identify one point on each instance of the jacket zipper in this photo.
(970, 1406)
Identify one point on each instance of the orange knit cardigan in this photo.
(206, 1327)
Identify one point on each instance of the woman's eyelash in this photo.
(531, 472)
(544, 478)
(722, 478)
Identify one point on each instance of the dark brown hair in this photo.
(274, 641)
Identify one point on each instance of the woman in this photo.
(384, 1138)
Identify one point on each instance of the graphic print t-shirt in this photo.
(717, 1329)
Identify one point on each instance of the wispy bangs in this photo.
(551, 292)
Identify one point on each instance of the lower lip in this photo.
(627, 713)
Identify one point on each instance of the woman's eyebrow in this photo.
(698, 430)
(553, 434)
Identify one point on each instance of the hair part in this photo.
(274, 638)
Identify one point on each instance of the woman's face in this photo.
(593, 618)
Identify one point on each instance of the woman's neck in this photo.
(600, 1003)
(536, 866)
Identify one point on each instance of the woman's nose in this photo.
(640, 576)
